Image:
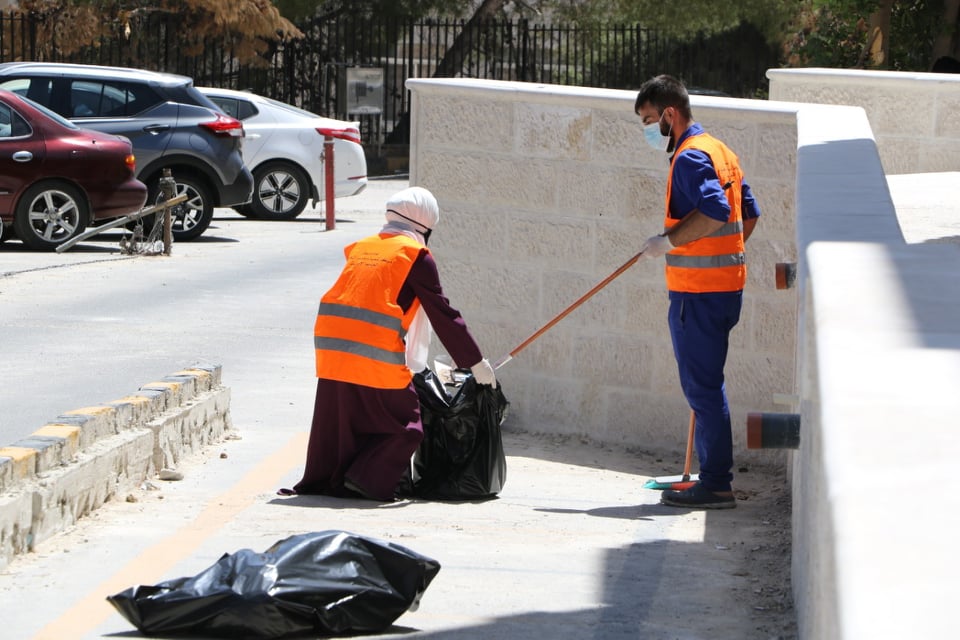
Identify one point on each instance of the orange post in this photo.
(328, 181)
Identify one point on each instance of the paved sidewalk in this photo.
(572, 548)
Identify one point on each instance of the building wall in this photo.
(545, 191)
(915, 117)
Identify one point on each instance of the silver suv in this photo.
(170, 124)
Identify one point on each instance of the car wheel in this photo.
(280, 191)
(50, 213)
(190, 218)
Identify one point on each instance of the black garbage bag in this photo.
(461, 456)
(327, 582)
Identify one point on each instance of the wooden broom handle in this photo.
(560, 316)
(689, 457)
(626, 265)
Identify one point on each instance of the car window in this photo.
(247, 109)
(12, 124)
(228, 105)
(234, 107)
(37, 89)
(99, 99)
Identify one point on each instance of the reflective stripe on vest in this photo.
(358, 348)
(360, 328)
(355, 313)
(715, 262)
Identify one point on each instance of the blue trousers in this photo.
(700, 325)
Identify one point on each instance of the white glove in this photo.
(656, 246)
(483, 373)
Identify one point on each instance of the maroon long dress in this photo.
(363, 436)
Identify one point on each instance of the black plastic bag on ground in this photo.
(461, 456)
(328, 582)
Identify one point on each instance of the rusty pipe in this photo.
(773, 430)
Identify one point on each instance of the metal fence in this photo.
(313, 72)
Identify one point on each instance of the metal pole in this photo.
(328, 181)
(168, 189)
(113, 224)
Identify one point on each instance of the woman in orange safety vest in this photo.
(371, 333)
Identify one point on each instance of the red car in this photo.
(55, 178)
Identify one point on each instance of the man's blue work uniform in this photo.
(700, 323)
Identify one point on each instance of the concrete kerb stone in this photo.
(71, 466)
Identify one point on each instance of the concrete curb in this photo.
(83, 458)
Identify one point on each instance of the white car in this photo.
(283, 148)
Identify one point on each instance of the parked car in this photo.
(56, 178)
(284, 150)
(168, 121)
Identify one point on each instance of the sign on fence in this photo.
(363, 91)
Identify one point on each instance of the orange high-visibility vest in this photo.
(715, 262)
(360, 329)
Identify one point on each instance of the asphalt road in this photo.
(92, 325)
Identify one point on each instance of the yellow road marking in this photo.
(153, 562)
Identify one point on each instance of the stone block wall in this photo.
(544, 192)
(915, 117)
(85, 457)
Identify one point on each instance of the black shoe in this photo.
(697, 497)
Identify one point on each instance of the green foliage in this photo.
(683, 19)
(825, 38)
(914, 26)
(834, 33)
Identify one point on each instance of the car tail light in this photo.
(350, 134)
(131, 162)
(224, 126)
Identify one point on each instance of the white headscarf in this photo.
(411, 212)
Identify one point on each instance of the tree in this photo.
(682, 19)
(453, 58)
(946, 42)
(390, 9)
(70, 25)
(902, 35)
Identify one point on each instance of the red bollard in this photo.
(328, 181)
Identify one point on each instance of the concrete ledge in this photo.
(85, 457)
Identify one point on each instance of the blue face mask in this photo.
(653, 136)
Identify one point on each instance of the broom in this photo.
(563, 314)
(678, 483)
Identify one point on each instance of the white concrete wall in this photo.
(545, 191)
(915, 117)
(875, 504)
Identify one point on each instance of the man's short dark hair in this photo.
(664, 91)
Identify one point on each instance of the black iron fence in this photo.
(355, 68)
